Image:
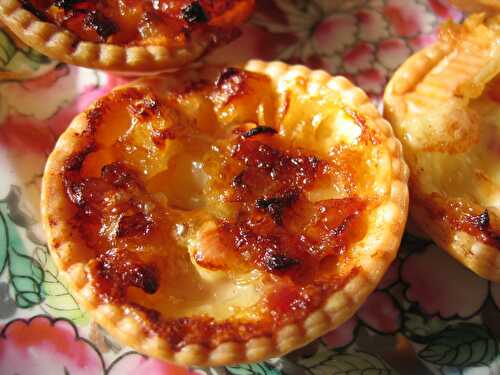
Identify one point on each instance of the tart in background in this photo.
(125, 35)
(226, 215)
(444, 104)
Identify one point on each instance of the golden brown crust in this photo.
(375, 251)
(434, 104)
(61, 44)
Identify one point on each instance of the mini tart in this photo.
(444, 104)
(226, 215)
(125, 35)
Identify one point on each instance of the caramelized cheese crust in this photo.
(164, 196)
(133, 22)
(462, 216)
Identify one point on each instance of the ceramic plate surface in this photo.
(430, 315)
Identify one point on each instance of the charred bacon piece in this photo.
(260, 129)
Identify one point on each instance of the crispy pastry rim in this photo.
(61, 44)
(482, 258)
(125, 322)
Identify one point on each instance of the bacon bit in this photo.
(98, 22)
(115, 194)
(194, 13)
(75, 161)
(276, 205)
(238, 181)
(459, 216)
(261, 129)
(278, 262)
(230, 75)
(148, 106)
(87, 194)
(75, 192)
(482, 221)
(119, 175)
(233, 84)
(230, 84)
(143, 277)
(119, 270)
(135, 225)
(160, 136)
(296, 171)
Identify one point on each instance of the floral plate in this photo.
(429, 315)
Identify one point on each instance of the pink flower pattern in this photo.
(44, 346)
(134, 363)
(432, 277)
(41, 345)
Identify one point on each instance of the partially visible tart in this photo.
(125, 35)
(226, 215)
(444, 104)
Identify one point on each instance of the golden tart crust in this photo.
(119, 37)
(226, 215)
(444, 106)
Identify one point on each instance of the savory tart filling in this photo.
(448, 118)
(131, 22)
(222, 206)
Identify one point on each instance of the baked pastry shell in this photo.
(482, 258)
(381, 244)
(63, 45)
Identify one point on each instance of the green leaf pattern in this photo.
(462, 345)
(32, 280)
(7, 49)
(26, 277)
(356, 363)
(418, 327)
(253, 369)
(15, 57)
(58, 300)
(24, 273)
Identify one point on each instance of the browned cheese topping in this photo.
(147, 170)
(171, 23)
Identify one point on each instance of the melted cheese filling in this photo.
(475, 173)
(196, 194)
